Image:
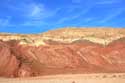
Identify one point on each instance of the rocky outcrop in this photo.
(8, 61)
(54, 56)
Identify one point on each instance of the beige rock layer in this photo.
(102, 36)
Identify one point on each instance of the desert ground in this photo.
(70, 78)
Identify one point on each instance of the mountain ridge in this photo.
(102, 36)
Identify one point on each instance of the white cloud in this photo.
(76, 16)
(33, 13)
(37, 11)
(31, 10)
(112, 15)
(38, 15)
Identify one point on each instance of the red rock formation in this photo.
(80, 56)
(8, 61)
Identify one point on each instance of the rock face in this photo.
(8, 62)
(45, 54)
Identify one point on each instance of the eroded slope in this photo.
(57, 52)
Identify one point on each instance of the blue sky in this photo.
(35, 16)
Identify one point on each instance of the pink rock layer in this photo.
(75, 58)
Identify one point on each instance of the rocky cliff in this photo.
(63, 51)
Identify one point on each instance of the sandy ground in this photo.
(77, 78)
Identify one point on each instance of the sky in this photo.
(36, 16)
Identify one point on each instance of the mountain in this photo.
(63, 51)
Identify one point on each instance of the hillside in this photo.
(63, 51)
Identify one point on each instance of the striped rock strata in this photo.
(63, 51)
